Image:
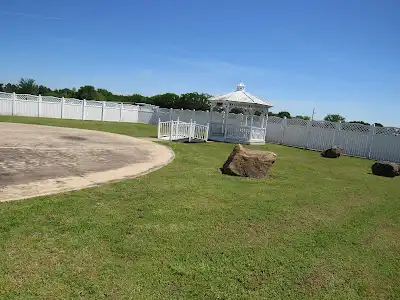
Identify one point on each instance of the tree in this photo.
(44, 90)
(334, 118)
(28, 86)
(10, 88)
(195, 101)
(137, 98)
(168, 100)
(283, 114)
(87, 92)
(360, 122)
(378, 125)
(303, 117)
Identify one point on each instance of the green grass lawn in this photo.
(317, 229)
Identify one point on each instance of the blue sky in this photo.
(338, 56)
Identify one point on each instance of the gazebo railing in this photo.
(245, 133)
(258, 134)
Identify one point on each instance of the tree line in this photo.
(197, 101)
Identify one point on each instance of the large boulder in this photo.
(248, 163)
(386, 169)
(333, 152)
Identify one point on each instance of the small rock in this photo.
(386, 169)
(333, 152)
(248, 163)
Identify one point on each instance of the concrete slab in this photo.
(38, 160)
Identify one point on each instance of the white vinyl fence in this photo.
(67, 108)
(380, 143)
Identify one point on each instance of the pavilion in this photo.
(249, 127)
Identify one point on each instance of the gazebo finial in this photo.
(240, 87)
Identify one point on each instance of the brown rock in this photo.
(248, 163)
(333, 152)
(386, 169)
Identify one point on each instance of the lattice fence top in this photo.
(73, 101)
(6, 95)
(94, 103)
(27, 97)
(296, 122)
(51, 99)
(275, 120)
(113, 104)
(323, 124)
(355, 127)
(391, 131)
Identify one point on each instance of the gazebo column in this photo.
(212, 106)
(251, 126)
(262, 120)
(266, 126)
(227, 106)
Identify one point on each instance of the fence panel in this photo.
(93, 110)
(50, 107)
(164, 114)
(202, 117)
(145, 115)
(73, 109)
(321, 135)
(274, 130)
(353, 138)
(112, 112)
(130, 113)
(28, 108)
(295, 132)
(6, 103)
(386, 144)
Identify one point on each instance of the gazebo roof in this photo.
(240, 96)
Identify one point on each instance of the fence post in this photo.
(170, 129)
(194, 129)
(266, 127)
(158, 128)
(62, 107)
(170, 113)
(177, 129)
(194, 114)
(103, 110)
(190, 131)
(83, 109)
(14, 98)
(336, 133)
(307, 135)
(208, 128)
(121, 111)
(39, 105)
(284, 125)
(371, 139)
(251, 127)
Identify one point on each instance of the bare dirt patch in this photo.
(36, 160)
